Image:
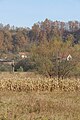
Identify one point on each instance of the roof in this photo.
(5, 60)
(65, 55)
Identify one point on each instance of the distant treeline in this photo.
(15, 39)
(52, 48)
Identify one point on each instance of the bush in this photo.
(25, 65)
(20, 69)
(5, 67)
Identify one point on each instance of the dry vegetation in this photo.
(32, 82)
(27, 96)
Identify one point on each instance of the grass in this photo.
(26, 96)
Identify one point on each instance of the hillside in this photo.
(14, 39)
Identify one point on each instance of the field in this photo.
(27, 96)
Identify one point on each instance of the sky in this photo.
(24, 13)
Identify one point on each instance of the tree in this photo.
(51, 58)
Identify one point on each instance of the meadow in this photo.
(28, 96)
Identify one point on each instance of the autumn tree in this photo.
(51, 57)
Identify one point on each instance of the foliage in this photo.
(16, 39)
(5, 68)
(47, 42)
(25, 64)
(20, 69)
(51, 57)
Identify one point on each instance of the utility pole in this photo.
(12, 65)
(58, 66)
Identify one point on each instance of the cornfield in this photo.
(32, 82)
(28, 96)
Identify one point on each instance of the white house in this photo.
(69, 57)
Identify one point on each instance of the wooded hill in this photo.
(16, 39)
